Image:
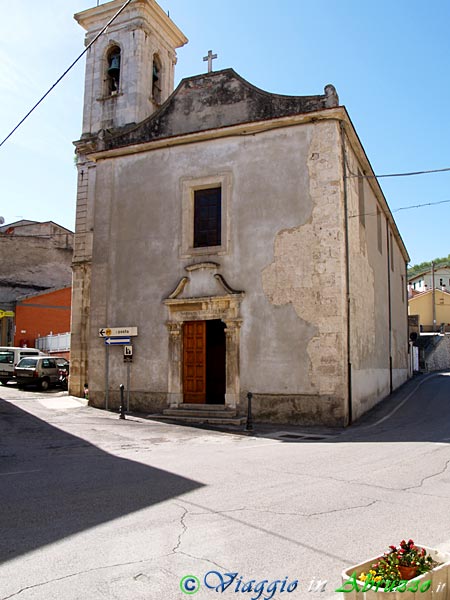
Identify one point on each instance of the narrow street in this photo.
(93, 507)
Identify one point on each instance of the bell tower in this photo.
(130, 68)
(129, 74)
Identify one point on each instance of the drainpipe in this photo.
(410, 343)
(433, 297)
(347, 279)
(388, 244)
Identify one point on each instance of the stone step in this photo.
(199, 413)
(188, 406)
(205, 419)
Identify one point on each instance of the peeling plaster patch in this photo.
(308, 266)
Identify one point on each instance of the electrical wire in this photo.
(65, 72)
(421, 205)
(401, 208)
(367, 214)
(361, 176)
(396, 174)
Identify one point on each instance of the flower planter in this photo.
(407, 572)
(439, 589)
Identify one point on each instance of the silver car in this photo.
(41, 371)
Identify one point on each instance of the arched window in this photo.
(113, 70)
(156, 79)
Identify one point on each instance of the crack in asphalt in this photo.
(325, 512)
(204, 559)
(42, 583)
(373, 485)
(176, 548)
(293, 514)
(411, 487)
(342, 560)
(142, 575)
(184, 528)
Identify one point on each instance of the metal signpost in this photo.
(118, 336)
(107, 378)
(128, 359)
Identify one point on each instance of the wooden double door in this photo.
(204, 358)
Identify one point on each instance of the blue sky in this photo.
(388, 61)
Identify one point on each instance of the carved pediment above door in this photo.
(203, 281)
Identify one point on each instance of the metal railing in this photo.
(59, 342)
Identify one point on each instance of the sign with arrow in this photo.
(123, 340)
(105, 332)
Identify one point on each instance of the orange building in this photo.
(42, 314)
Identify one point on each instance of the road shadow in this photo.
(54, 484)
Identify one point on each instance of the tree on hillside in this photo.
(425, 266)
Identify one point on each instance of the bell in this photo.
(114, 67)
(155, 73)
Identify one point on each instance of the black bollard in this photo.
(122, 403)
(249, 425)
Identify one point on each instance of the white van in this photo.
(10, 356)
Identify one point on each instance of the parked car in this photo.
(10, 356)
(41, 371)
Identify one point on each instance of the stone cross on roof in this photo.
(210, 58)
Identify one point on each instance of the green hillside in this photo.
(424, 266)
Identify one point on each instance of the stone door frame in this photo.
(225, 308)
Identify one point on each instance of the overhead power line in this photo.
(373, 214)
(360, 175)
(65, 72)
(408, 174)
(399, 174)
(421, 205)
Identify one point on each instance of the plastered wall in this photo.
(285, 252)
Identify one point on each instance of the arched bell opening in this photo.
(156, 80)
(113, 60)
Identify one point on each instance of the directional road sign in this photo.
(105, 332)
(123, 340)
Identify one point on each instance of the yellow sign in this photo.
(6, 313)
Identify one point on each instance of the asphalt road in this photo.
(93, 507)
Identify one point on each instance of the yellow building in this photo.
(431, 320)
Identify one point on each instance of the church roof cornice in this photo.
(211, 101)
(97, 150)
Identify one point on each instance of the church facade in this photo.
(241, 232)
